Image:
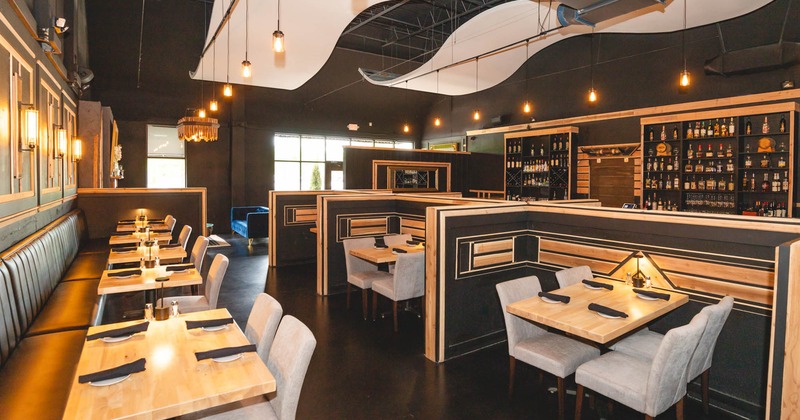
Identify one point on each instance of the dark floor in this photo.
(362, 370)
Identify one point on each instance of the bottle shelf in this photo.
(549, 155)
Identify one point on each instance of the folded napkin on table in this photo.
(652, 294)
(118, 266)
(170, 246)
(598, 284)
(155, 221)
(180, 267)
(553, 296)
(160, 230)
(399, 250)
(379, 242)
(120, 332)
(126, 369)
(606, 310)
(125, 273)
(126, 222)
(123, 249)
(225, 351)
(413, 243)
(208, 323)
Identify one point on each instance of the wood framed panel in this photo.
(385, 169)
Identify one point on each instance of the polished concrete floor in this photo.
(362, 370)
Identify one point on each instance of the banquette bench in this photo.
(250, 221)
(48, 294)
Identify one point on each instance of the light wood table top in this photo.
(134, 238)
(172, 253)
(384, 255)
(575, 317)
(173, 382)
(147, 280)
(131, 227)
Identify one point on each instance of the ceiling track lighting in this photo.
(684, 81)
(246, 66)
(277, 37)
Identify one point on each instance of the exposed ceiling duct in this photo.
(754, 59)
(592, 12)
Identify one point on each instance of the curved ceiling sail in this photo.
(498, 38)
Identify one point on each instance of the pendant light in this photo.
(592, 92)
(476, 114)
(246, 70)
(227, 90)
(277, 36)
(437, 122)
(526, 106)
(684, 80)
(406, 127)
(213, 106)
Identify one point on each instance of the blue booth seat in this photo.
(250, 221)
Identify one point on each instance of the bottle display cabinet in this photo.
(731, 161)
(538, 164)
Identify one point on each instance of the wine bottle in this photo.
(785, 182)
(716, 127)
(690, 152)
(731, 185)
(765, 126)
(782, 124)
(674, 132)
(663, 133)
(745, 183)
(748, 127)
(720, 152)
(731, 128)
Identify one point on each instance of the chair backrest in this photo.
(409, 276)
(394, 240)
(183, 237)
(262, 324)
(666, 383)
(512, 291)
(170, 221)
(717, 315)
(288, 361)
(353, 263)
(570, 276)
(199, 252)
(214, 280)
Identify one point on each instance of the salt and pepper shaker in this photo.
(148, 311)
(628, 280)
(174, 309)
(647, 283)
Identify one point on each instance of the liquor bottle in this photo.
(748, 162)
(719, 166)
(689, 132)
(676, 151)
(765, 186)
(723, 129)
(554, 144)
(660, 205)
(703, 132)
(650, 133)
(566, 143)
(674, 132)
(731, 185)
(647, 203)
(747, 148)
(720, 152)
(668, 183)
(731, 128)
(661, 182)
(693, 184)
(752, 181)
(690, 152)
(781, 162)
(696, 129)
(765, 126)
(560, 143)
(701, 184)
(729, 166)
(687, 184)
(721, 184)
(709, 152)
(782, 127)
(765, 162)
(676, 182)
(745, 183)
(748, 127)
(699, 166)
(541, 150)
(716, 127)
(663, 133)
(688, 167)
(729, 151)
(782, 146)
(669, 164)
(785, 182)
(711, 184)
(776, 182)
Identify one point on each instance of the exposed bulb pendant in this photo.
(277, 36)
(213, 106)
(592, 95)
(201, 113)
(685, 81)
(476, 115)
(526, 107)
(437, 121)
(246, 71)
(406, 128)
(227, 90)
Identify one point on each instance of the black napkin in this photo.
(208, 323)
(225, 351)
(652, 294)
(606, 310)
(413, 243)
(123, 249)
(119, 266)
(399, 250)
(126, 222)
(180, 267)
(380, 243)
(598, 284)
(170, 246)
(160, 230)
(122, 370)
(553, 296)
(155, 221)
(120, 332)
(125, 273)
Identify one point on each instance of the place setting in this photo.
(210, 325)
(651, 295)
(554, 297)
(119, 334)
(596, 285)
(606, 312)
(113, 375)
(225, 354)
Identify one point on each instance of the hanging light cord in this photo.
(279, 16)
(683, 37)
(228, 71)
(246, 30)
(141, 35)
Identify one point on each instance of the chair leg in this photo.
(512, 364)
(422, 308)
(648, 417)
(704, 386)
(394, 314)
(561, 397)
(365, 302)
(578, 402)
(250, 242)
(374, 305)
(348, 295)
(679, 409)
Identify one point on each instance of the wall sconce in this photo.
(77, 149)
(61, 138)
(29, 132)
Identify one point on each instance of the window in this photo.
(305, 162)
(166, 160)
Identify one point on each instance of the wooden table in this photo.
(145, 282)
(131, 227)
(172, 253)
(384, 255)
(164, 237)
(173, 382)
(575, 318)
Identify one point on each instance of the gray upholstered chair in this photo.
(208, 300)
(183, 237)
(552, 353)
(262, 323)
(199, 252)
(288, 360)
(361, 273)
(170, 221)
(644, 344)
(570, 276)
(647, 386)
(407, 282)
(394, 240)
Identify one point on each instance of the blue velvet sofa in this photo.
(250, 221)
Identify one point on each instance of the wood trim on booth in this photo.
(411, 164)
